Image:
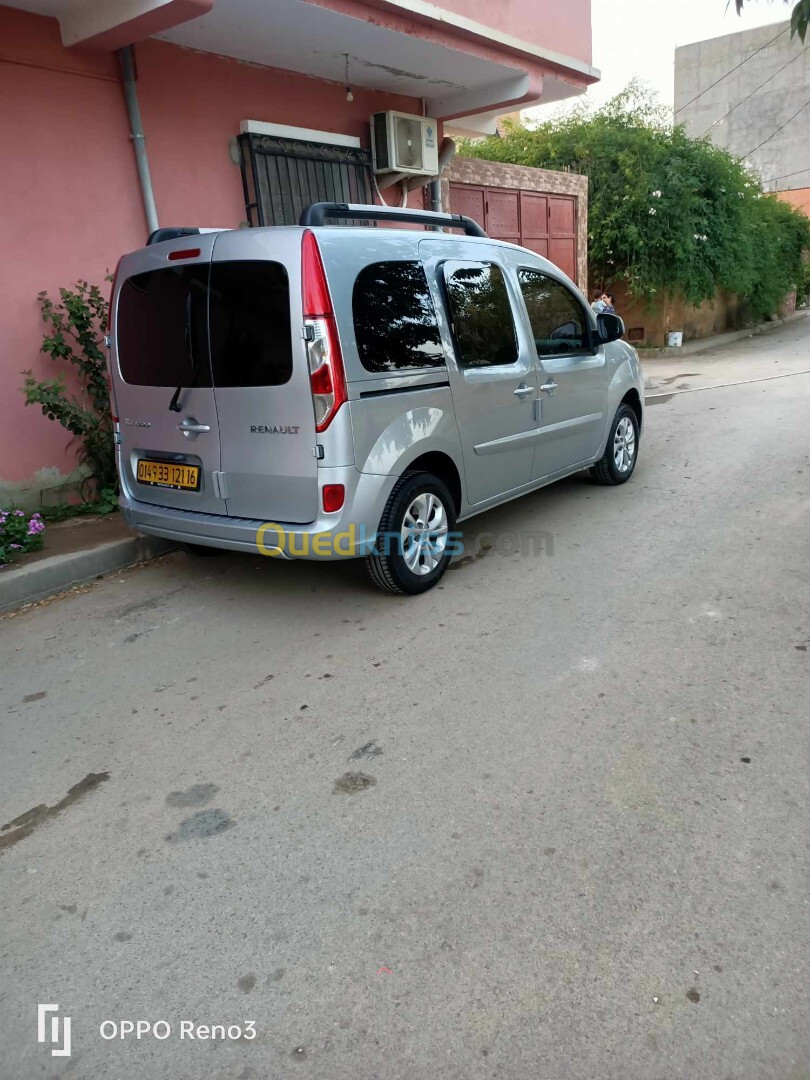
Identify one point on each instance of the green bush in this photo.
(666, 213)
(76, 330)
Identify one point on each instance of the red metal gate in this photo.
(543, 223)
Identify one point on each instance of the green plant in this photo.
(76, 326)
(803, 289)
(668, 215)
(19, 533)
(107, 501)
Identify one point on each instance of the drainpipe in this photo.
(446, 154)
(436, 195)
(138, 137)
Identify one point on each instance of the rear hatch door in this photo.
(170, 441)
(261, 377)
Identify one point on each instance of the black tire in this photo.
(201, 550)
(387, 564)
(606, 471)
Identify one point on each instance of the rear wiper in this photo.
(173, 404)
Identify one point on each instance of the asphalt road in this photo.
(580, 850)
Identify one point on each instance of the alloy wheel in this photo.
(424, 533)
(624, 444)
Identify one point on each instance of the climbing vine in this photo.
(666, 213)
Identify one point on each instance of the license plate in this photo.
(167, 474)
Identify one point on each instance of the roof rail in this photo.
(317, 213)
(159, 235)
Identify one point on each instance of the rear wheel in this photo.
(619, 459)
(411, 553)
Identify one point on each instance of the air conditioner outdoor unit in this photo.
(402, 143)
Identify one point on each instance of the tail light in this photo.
(187, 253)
(333, 496)
(109, 328)
(326, 376)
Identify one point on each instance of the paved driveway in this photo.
(574, 842)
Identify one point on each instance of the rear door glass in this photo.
(162, 334)
(394, 319)
(251, 339)
(481, 314)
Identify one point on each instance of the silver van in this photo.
(340, 391)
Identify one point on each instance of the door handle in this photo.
(522, 390)
(549, 387)
(191, 427)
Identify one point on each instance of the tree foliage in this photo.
(666, 213)
(799, 19)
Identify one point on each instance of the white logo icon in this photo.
(64, 1051)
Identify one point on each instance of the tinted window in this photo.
(483, 326)
(161, 334)
(556, 316)
(251, 343)
(394, 318)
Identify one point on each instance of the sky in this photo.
(639, 37)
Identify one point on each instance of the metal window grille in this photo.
(283, 176)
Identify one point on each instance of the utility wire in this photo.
(754, 91)
(731, 70)
(784, 176)
(780, 128)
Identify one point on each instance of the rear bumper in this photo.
(347, 534)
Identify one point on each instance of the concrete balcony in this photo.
(468, 61)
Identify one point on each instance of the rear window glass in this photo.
(481, 312)
(394, 318)
(251, 339)
(161, 331)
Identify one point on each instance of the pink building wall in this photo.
(560, 27)
(69, 197)
(798, 197)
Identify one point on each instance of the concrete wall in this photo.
(741, 129)
(672, 313)
(69, 198)
(723, 312)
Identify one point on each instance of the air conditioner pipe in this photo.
(138, 137)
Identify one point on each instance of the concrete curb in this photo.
(27, 584)
(693, 348)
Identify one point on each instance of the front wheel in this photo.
(619, 459)
(411, 552)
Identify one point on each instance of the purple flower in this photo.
(16, 547)
(19, 513)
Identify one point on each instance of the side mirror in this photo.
(610, 327)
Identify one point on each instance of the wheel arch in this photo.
(633, 399)
(441, 465)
